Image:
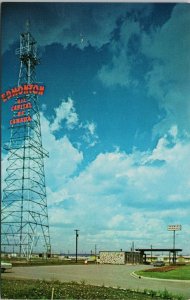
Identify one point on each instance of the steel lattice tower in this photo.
(25, 225)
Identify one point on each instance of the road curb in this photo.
(133, 274)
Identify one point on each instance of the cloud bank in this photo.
(118, 194)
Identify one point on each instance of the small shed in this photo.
(120, 257)
(112, 257)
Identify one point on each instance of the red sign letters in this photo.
(25, 89)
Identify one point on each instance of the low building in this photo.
(112, 257)
(133, 257)
(120, 257)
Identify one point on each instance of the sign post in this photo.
(174, 228)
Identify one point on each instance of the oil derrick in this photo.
(24, 216)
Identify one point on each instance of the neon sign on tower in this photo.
(22, 105)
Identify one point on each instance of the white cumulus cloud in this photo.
(118, 194)
(90, 136)
(64, 157)
(65, 112)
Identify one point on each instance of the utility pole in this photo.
(133, 249)
(76, 230)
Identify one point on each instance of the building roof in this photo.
(158, 249)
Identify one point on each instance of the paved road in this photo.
(109, 275)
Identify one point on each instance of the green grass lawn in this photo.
(38, 289)
(180, 273)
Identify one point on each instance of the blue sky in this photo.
(115, 118)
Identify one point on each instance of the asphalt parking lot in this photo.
(108, 275)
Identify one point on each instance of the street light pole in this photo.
(76, 230)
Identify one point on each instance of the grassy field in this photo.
(180, 273)
(37, 289)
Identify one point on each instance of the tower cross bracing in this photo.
(24, 216)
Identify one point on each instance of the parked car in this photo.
(5, 266)
(159, 264)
